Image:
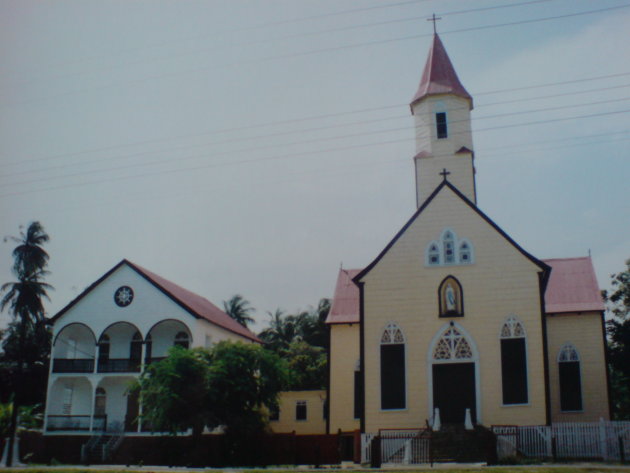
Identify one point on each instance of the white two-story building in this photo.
(104, 338)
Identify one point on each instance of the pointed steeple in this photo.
(441, 109)
(439, 76)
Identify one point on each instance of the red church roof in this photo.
(345, 305)
(572, 287)
(439, 76)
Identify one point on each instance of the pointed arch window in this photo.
(393, 383)
(514, 362)
(451, 300)
(464, 252)
(570, 378)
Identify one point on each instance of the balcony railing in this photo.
(155, 359)
(68, 422)
(118, 365)
(99, 423)
(82, 365)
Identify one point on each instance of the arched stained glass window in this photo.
(434, 254)
(449, 250)
(448, 244)
(513, 362)
(465, 255)
(570, 378)
(393, 390)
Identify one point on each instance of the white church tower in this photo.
(441, 108)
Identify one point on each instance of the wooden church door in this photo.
(453, 371)
(454, 391)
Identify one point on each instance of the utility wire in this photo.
(315, 51)
(260, 147)
(281, 38)
(293, 155)
(319, 117)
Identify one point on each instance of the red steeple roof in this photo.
(439, 76)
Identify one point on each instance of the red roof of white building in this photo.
(439, 76)
(572, 287)
(199, 307)
(195, 304)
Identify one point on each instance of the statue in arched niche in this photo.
(450, 298)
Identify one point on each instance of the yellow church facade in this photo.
(454, 322)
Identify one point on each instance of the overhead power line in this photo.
(318, 51)
(320, 117)
(279, 145)
(290, 155)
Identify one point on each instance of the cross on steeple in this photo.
(444, 173)
(434, 19)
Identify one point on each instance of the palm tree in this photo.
(24, 297)
(281, 332)
(239, 309)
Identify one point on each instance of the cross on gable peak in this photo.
(434, 19)
(444, 173)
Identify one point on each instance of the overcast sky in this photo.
(253, 147)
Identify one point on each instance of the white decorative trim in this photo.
(512, 327)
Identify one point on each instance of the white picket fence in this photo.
(398, 446)
(571, 440)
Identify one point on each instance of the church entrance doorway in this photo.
(454, 391)
(453, 374)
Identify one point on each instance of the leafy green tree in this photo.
(174, 392)
(307, 366)
(231, 386)
(239, 309)
(24, 298)
(618, 328)
(244, 381)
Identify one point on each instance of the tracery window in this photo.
(452, 345)
(393, 390)
(570, 378)
(513, 362)
(449, 250)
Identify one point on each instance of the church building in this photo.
(454, 320)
